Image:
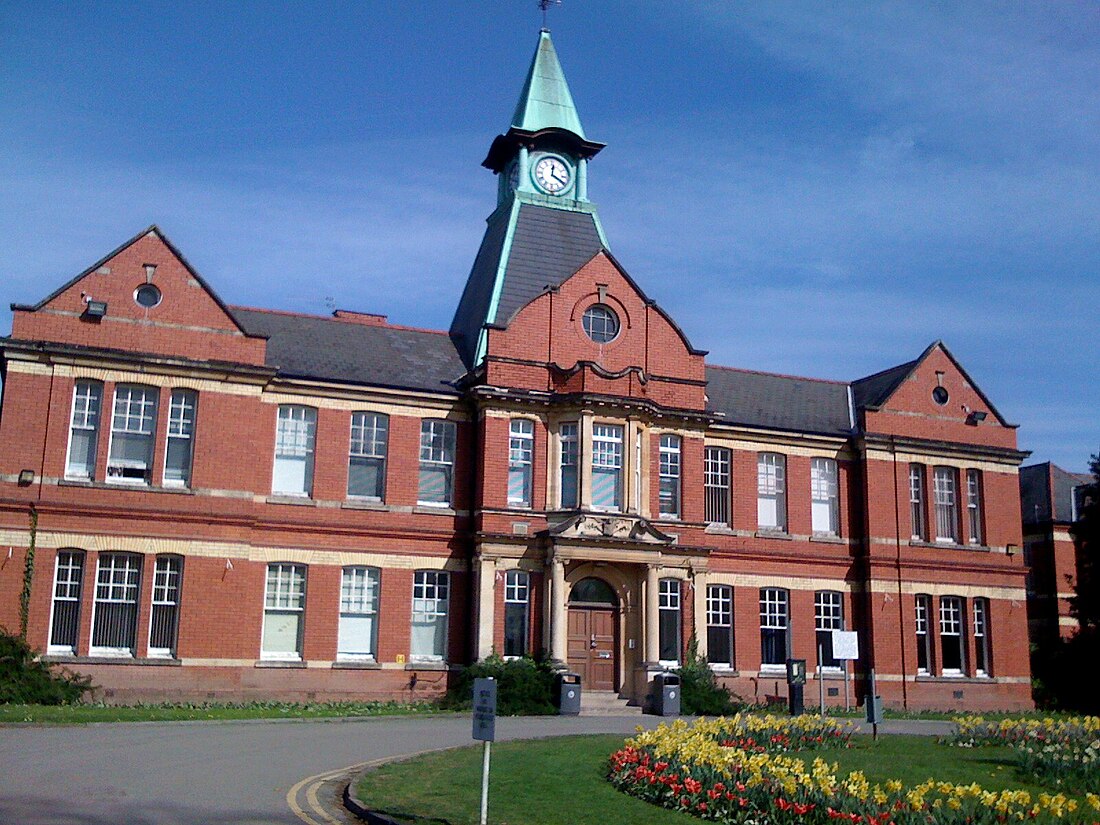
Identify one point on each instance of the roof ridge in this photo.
(909, 363)
(779, 375)
(294, 314)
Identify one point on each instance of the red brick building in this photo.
(229, 502)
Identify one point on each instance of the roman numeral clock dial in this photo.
(552, 174)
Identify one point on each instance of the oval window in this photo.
(147, 296)
(601, 324)
(940, 395)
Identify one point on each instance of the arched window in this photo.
(593, 591)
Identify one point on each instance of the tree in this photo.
(1085, 605)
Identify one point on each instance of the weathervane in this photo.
(545, 5)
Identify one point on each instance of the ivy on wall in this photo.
(28, 577)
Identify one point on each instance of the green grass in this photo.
(82, 714)
(913, 759)
(562, 779)
(536, 783)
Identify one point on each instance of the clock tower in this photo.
(544, 227)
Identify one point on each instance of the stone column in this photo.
(558, 598)
(699, 580)
(486, 605)
(652, 615)
(584, 453)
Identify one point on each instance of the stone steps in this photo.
(606, 703)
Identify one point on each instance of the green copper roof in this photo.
(545, 101)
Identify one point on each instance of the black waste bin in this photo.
(666, 694)
(567, 694)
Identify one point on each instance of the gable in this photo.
(934, 398)
(185, 318)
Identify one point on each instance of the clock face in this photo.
(552, 174)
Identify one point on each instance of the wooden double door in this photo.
(593, 646)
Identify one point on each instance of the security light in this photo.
(95, 309)
(26, 477)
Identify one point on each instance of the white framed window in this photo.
(924, 639)
(367, 456)
(133, 429)
(716, 484)
(164, 615)
(945, 487)
(179, 451)
(284, 607)
(828, 616)
(916, 502)
(981, 638)
(607, 467)
(295, 440)
(569, 435)
(357, 637)
(431, 591)
(68, 581)
(974, 505)
(720, 625)
(771, 491)
(600, 323)
(824, 496)
(517, 597)
(952, 636)
(521, 451)
(437, 459)
(668, 496)
(114, 611)
(84, 430)
(774, 629)
(668, 610)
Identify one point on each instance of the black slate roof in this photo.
(779, 402)
(873, 390)
(327, 349)
(548, 247)
(1046, 492)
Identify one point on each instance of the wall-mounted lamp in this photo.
(1011, 550)
(975, 416)
(94, 309)
(26, 478)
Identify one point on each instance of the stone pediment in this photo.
(608, 526)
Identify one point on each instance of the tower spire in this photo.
(545, 102)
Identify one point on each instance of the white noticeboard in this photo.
(845, 644)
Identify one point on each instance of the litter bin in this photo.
(567, 696)
(666, 694)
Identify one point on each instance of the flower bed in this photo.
(1064, 753)
(736, 770)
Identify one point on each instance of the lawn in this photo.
(80, 714)
(562, 780)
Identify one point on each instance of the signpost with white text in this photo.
(485, 719)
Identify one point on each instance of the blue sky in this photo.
(815, 189)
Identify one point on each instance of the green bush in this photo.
(27, 680)
(700, 693)
(524, 686)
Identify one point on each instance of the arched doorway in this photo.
(593, 643)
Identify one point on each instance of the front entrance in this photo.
(592, 642)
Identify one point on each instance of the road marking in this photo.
(313, 803)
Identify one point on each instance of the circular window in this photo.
(147, 296)
(940, 396)
(601, 324)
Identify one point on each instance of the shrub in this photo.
(700, 693)
(27, 680)
(524, 686)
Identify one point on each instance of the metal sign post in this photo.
(846, 648)
(485, 715)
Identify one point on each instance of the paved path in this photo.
(239, 773)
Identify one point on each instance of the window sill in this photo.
(829, 674)
(427, 665)
(364, 504)
(826, 538)
(68, 659)
(773, 534)
(281, 663)
(118, 485)
(434, 509)
(356, 664)
(961, 679)
(945, 545)
(723, 670)
(300, 501)
(773, 670)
